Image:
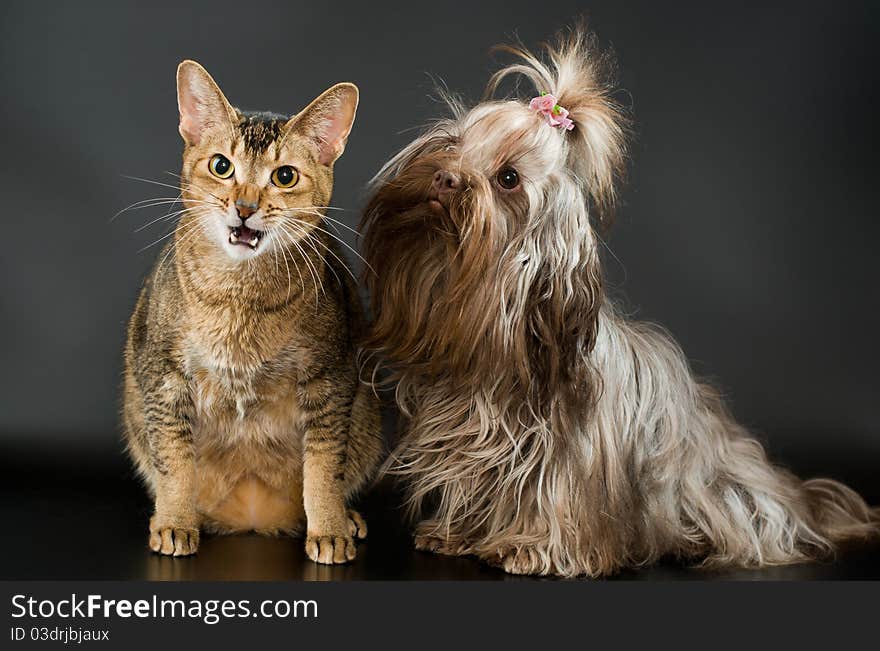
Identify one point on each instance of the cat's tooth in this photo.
(254, 241)
(232, 238)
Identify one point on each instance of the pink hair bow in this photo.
(546, 105)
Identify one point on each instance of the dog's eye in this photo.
(508, 178)
(285, 176)
(220, 166)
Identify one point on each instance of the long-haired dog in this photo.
(546, 433)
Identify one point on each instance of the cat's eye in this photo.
(220, 166)
(285, 176)
(508, 178)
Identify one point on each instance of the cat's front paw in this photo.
(357, 526)
(173, 538)
(330, 549)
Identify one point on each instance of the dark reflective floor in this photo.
(72, 515)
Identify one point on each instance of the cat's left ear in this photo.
(328, 121)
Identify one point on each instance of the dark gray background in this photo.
(749, 223)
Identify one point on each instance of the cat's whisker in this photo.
(336, 222)
(287, 266)
(302, 282)
(317, 213)
(167, 217)
(290, 238)
(208, 196)
(274, 250)
(188, 231)
(152, 244)
(292, 212)
(310, 239)
(331, 252)
(320, 208)
(314, 210)
(190, 227)
(316, 277)
(143, 180)
(329, 208)
(338, 259)
(192, 185)
(186, 185)
(338, 239)
(169, 234)
(305, 236)
(146, 203)
(275, 255)
(305, 257)
(171, 249)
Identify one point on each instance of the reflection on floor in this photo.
(84, 516)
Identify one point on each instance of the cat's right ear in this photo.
(203, 108)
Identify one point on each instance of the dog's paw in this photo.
(330, 550)
(357, 526)
(437, 545)
(519, 560)
(172, 539)
(426, 539)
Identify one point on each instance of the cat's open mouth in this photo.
(245, 236)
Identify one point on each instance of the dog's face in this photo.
(478, 232)
(481, 178)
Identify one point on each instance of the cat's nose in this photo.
(245, 208)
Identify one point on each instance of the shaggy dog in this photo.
(546, 433)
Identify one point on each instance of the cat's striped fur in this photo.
(242, 405)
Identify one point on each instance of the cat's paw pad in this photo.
(357, 526)
(520, 560)
(173, 540)
(330, 549)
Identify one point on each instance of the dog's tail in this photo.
(839, 512)
(754, 513)
(711, 491)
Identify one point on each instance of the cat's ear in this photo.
(328, 120)
(203, 108)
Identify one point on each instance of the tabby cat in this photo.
(243, 409)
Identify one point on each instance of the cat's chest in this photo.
(243, 399)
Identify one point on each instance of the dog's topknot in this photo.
(579, 74)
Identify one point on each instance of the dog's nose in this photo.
(245, 208)
(445, 182)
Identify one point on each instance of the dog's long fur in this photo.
(546, 433)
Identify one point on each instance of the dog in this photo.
(545, 432)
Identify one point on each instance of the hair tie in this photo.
(546, 104)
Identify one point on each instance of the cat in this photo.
(242, 406)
